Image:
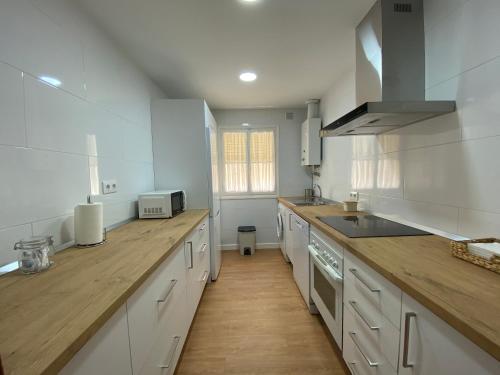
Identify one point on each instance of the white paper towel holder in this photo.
(104, 233)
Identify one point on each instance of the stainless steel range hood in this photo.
(390, 72)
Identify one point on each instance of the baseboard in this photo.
(262, 245)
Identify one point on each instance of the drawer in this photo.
(167, 348)
(381, 340)
(152, 307)
(377, 296)
(200, 232)
(358, 358)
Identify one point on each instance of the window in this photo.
(248, 159)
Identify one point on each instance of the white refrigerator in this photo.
(184, 134)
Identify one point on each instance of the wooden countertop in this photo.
(466, 296)
(46, 318)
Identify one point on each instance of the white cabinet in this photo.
(197, 252)
(151, 308)
(300, 239)
(146, 335)
(311, 142)
(431, 346)
(288, 230)
(388, 332)
(107, 352)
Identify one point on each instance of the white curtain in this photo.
(235, 162)
(262, 163)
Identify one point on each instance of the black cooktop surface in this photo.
(370, 226)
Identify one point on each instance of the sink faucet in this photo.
(314, 191)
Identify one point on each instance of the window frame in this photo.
(222, 175)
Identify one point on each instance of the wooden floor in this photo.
(252, 320)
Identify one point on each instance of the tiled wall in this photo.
(293, 178)
(58, 143)
(444, 173)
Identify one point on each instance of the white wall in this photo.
(443, 173)
(52, 140)
(292, 178)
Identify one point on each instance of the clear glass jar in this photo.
(34, 254)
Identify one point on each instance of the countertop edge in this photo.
(448, 316)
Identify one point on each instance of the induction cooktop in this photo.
(370, 226)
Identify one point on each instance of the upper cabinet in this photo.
(311, 142)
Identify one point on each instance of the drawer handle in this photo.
(203, 248)
(167, 292)
(190, 254)
(356, 342)
(406, 343)
(205, 277)
(363, 318)
(352, 367)
(171, 352)
(354, 271)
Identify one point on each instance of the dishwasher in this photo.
(300, 234)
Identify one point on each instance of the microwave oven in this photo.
(161, 204)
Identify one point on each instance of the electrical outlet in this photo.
(109, 186)
(354, 195)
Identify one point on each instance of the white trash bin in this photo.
(246, 239)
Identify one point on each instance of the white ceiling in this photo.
(197, 48)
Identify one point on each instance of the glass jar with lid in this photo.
(34, 253)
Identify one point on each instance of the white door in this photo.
(431, 346)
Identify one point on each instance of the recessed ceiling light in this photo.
(245, 124)
(51, 80)
(248, 76)
(249, 1)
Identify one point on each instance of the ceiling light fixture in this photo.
(51, 80)
(245, 124)
(248, 76)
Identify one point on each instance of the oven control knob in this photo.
(335, 263)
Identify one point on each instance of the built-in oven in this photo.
(326, 280)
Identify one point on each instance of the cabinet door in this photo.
(430, 346)
(107, 352)
(154, 306)
(301, 256)
(289, 235)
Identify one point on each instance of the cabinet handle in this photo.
(171, 352)
(190, 254)
(363, 318)
(406, 343)
(354, 271)
(202, 228)
(290, 222)
(205, 277)
(169, 290)
(352, 367)
(356, 342)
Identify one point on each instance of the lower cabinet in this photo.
(431, 346)
(387, 332)
(147, 334)
(107, 352)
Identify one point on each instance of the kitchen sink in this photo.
(311, 202)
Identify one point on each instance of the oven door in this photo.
(177, 201)
(326, 292)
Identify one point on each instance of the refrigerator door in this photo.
(214, 198)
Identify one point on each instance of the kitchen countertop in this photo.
(46, 318)
(466, 296)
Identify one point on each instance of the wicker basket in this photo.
(459, 249)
